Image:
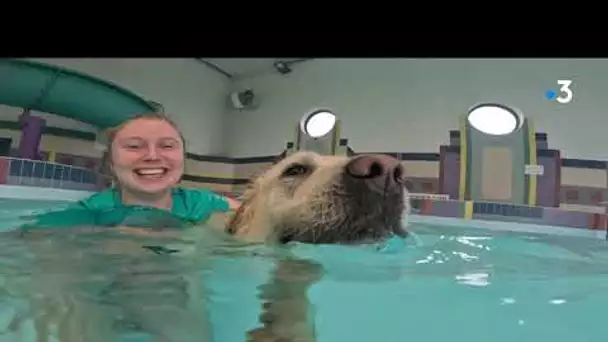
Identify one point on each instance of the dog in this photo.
(316, 199)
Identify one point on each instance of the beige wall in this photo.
(584, 177)
(192, 94)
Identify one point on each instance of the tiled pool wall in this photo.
(34, 173)
(472, 210)
(577, 189)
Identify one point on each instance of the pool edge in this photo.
(507, 226)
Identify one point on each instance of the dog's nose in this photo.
(382, 172)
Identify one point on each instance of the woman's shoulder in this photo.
(82, 212)
(200, 196)
(101, 200)
(198, 202)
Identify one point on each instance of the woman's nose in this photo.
(151, 153)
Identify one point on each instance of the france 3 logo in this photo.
(563, 95)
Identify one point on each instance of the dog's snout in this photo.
(382, 172)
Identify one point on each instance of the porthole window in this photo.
(319, 123)
(494, 119)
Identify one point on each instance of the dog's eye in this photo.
(295, 170)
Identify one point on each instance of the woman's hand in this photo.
(234, 204)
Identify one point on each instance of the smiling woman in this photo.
(146, 157)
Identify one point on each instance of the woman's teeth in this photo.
(151, 172)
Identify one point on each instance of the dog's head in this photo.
(311, 198)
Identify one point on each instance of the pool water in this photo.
(442, 284)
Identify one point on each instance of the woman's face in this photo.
(147, 156)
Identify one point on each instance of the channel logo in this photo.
(564, 93)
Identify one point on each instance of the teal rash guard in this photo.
(190, 206)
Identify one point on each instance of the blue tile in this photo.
(65, 173)
(39, 170)
(15, 168)
(58, 172)
(48, 171)
(537, 212)
(76, 175)
(28, 169)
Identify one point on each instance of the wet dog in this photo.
(316, 199)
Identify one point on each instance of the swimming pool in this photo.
(454, 280)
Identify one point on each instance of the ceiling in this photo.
(245, 67)
(65, 92)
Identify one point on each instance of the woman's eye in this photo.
(132, 144)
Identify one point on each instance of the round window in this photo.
(319, 123)
(493, 119)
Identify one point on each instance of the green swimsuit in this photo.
(190, 206)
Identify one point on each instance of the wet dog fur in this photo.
(311, 198)
(316, 199)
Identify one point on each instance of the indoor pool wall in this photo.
(510, 214)
(428, 175)
(35, 173)
(30, 179)
(31, 183)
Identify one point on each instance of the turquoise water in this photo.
(444, 284)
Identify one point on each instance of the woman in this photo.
(146, 156)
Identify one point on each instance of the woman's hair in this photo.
(110, 133)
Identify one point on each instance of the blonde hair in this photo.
(110, 134)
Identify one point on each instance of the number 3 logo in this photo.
(565, 91)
